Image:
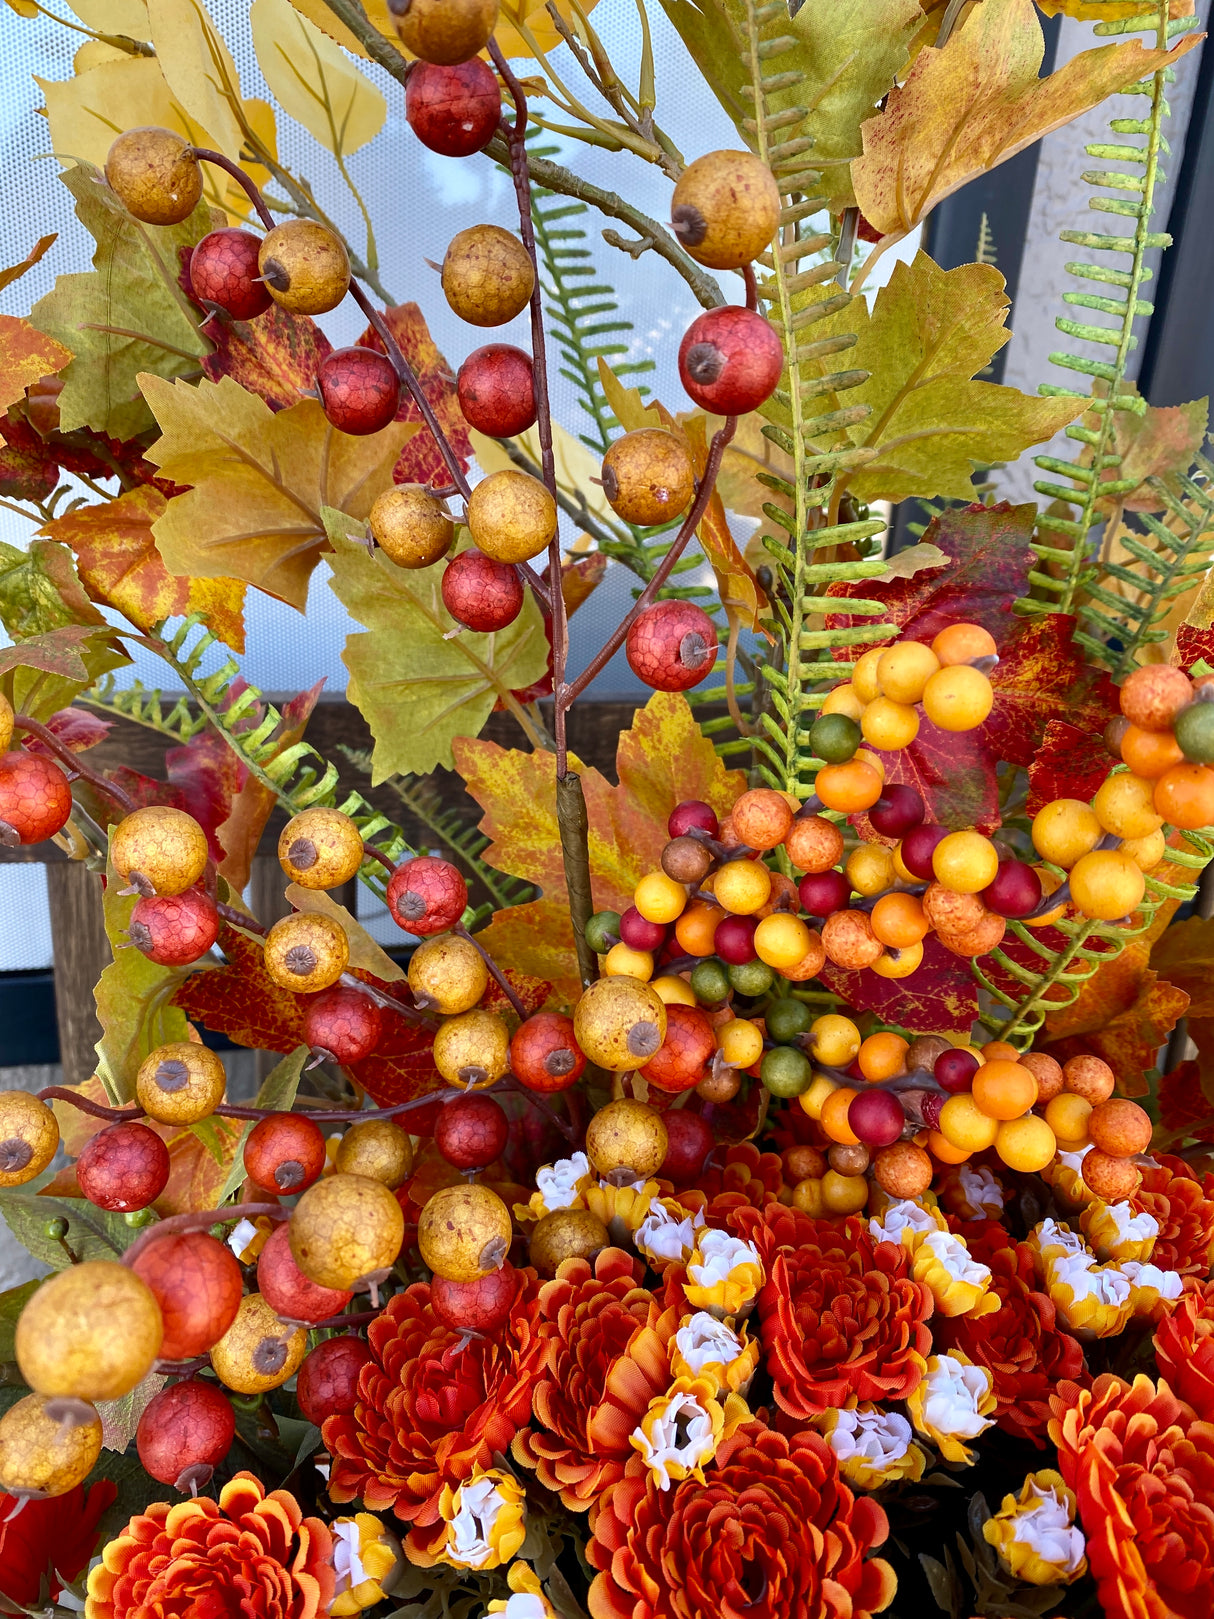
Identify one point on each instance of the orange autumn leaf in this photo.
(661, 760)
(739, 590)
(119, 566)
(25, 356)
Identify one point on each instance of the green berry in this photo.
(139, 1217)
(602, 931)
(834, 737)
(1194, 730)
(751, 978)
(710, 981)
(55, 1229)
(786, 1071)
(786, 1019)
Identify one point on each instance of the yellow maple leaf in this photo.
(25, 355)
(258, 482)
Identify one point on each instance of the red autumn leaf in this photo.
(1068, 763)
(28, 469)
(1186, 1099)
(420, 461)
(1192, 644)
(57, 652)
(275, 356)
(938, 997)
(207, 775)
(989, 547)
(1041, 676)
(26, 354)
(532, 993)
(953, 773)
(76, 728)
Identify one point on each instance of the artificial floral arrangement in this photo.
(754, 1190)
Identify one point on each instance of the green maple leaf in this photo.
(126, 315)
(416, 689)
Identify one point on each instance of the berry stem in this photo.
(565, 1126)
(495, 972)
(203, 1221)
(204, 154)
(72, 761)
(239, 919)
(372, 853)
(96, 1110)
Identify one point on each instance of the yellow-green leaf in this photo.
(378, 15)
(969, 107)
(133, 1000)
(365, 954)
(417, 689)
(198, 68)
(259, 482)
(313, 80)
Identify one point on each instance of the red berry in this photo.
(730, 360)
(481, 594)
(224, 271)
(672, 645)
(689, 1140)
(326, 1384)
(898, 811)
(734, 940)
(123, 1168)
(184, 1432)
(287, 1290)
(638, 933)
(679, 1062)
(877, 1117)
(453, 110)
(955, 1069)
(1015, 891)
(822, 893)
(359, 389)
(197, 1284)
(426, 895)
(174, 929)
(495, 389)
(35, 798)
(481, 1306)
(342, 1025)
(930, 1107)
(544, 1055)
(471, 1132)
(285, 1152)
(919, 845)
(691, 814)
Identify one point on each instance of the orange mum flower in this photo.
(1185, 1216)
(248, 1553)
(841, 1314)
(747, 1179)
(772, 1534)
(605, 1358)
(434, 1409)
(1184, 1348)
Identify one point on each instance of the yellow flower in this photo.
(484, 1518)
(1065, 1179)
(958, 1283)
(873, 1446)
(971, 1192)
(1151, 1290)
(1115, 1231)
(367, 1560)
(560, 1186)
(1052, 1239)
(952, 1403)
(1094, 1301)
(528, 1601)
(622, 1209)
(1035, 1533)
(705, 1347)
(680, 1432)
(724, 1275)
(667, 1234)
(904, 1221)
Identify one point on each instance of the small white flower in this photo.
(719, 1254)
(346, 1560)
(954, 1392)
(1169, 1284)
(524, 1605)
(705, 1341)
(681, 1436)
(982, 1190)
(559, 1183)
(879, 1439)
(470, 1536)
(1087, 1280)
(1047, 1529)
(663, 1237)
(952, 1253)
(905, 1215)
(1052, 1235)
(1074, 1160)
(1131, 1227)
(241, 1236)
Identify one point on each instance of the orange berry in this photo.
(976, 941)
(1003, 1089)
(903, 1170)
(1184, 796)
(849, 787)
(1000, 1051)
(950, 912)
(904, 670)
(1089, 1077)
(1046, 1070)
(899, 920)
(849, 941)
(1111, 1179)
(864, 678)
(783, 895)
(1118, 1127)
(1150, 753)
(943, 1150)
(813, 843)
(1151, 697)
(834, 1116)
(883, 1055)
(810, 964)
(696, 928)
(962, 643)
(761, 818)
(843, 700)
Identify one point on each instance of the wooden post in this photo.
(82, 952)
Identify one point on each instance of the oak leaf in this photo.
(1041, 676)
(1162, 441)
(938, 997)
(966, 108)
(260, 482)
(312, 80)
(26, 354)
(420, 460)
(1185, 957)
(661, 760)
(419, 680)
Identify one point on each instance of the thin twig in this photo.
(495, 972)
(206, 155)
(124, 801)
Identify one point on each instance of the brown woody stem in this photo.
(205, 155)
(64, 754)
(203, 1221)
(495, 972)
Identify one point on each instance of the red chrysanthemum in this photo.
(51, 1539)
(841, 1314)
(1021, 1344)
(746, 1178)
(772, 1534)
(605, 1358)
(1142, 1468)
(249, 1553)
(433, 1407)
(1186, 1218)
(1184, 1348)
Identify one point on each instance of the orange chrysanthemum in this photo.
(605, 1344)
(250, 1553)
(1185, 1216)
(747, 1178)
(1184, 1348)
(1022, 1344)
(1142, 1468)
(841, 1314)
(433, 1407)
(772, 1534)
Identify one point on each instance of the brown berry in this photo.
(464, 1232)
(378, 1149)
(346, 1231)
(626, 1138)
(511, 516)
(1120, 1128)
(1089, 1077)
(620, 1023)
(686, 860)
(448, 974)
(719, 1086)
(803, 1163)
(814, 844)
(566, 1234)
(305, 266)
(41, 1454)
(648, 477)
(1151, 697)
(488, 276)
(725, 209)
(444, 31)
(850, 1158)
(257, 1353)
(155, 175)
(1111, 1179)
(411, 526)
(472, 1049)
(159, 850)
(90, 1333)
(924, 1049)
(29, 1137)
(849, 941)
(180, 1083)
(306, 952)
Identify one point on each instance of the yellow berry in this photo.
(1125, 806)
(622, 961)
(834, 1040)
(345, 1230)
(447, 974)
(180, 1083)
(864, 679)
(1065, 829)
(1067, 1117)
(320, 848)
(1146, 853)
(659, 898)
(306, 951)
(782, 940)
(814, 1099)
(1107, 885)
(742, 887)
(472, 1049)
(674, 991)
(870, 869)
(904, 670)
(628, 1136)
(903, 872)
(464, 1232)
(619, 1023)
(889, 725)
(900, 961)
(43, 1454)
(958, 698)
(159, 850)
(843, 700)
(807, 1197)
(843, 1194)
(966, 862)
(725, 209)
(257, 1352)
(89, 1333)
(1026, 1144)
(740, 1042)
(965, 1126)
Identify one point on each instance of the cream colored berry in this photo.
(257, 1352)
(29, 1136)
(511, 516)
(488, 276)
(40, 1453)
(346, 1230)
(725, 209)
(90, 1333)
(411, 526)
(305, 267)
(159, 850)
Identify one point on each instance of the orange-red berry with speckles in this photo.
(453, 108)
(184, 1433)
(285, 1153)
(426, 895)
(196, 1281)
(35, 799)
(544, 1055)
(672, 645)
(123, 1168)
(343, 1024)
(327, 1382)
(495, 388)
(359, 389)
(174, 929)
(287, 1290)
(481, 594)
(223, 271)
(480, 1306)
(471, 1132)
